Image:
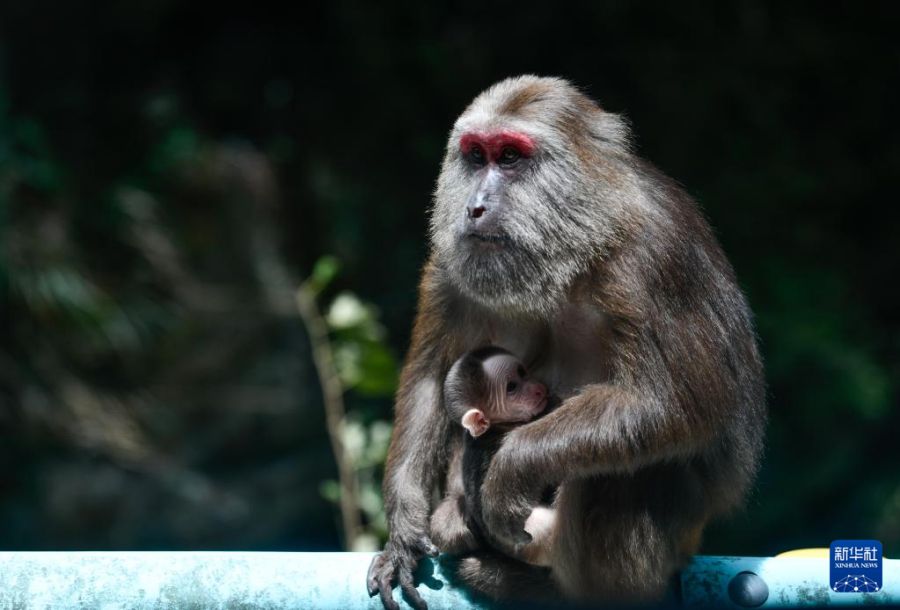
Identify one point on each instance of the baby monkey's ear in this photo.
(475, 422)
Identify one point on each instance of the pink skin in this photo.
(540, 525)
(533, 400)
(513, 396)
(492, 143)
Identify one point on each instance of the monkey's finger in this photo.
(372, 575)
(409, 589)
(371, 582)
(427, 547)
(385, 590)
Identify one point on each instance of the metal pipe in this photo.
(272, 581)
(775, 582)
(163, 580)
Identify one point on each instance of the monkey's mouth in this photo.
(500, 239)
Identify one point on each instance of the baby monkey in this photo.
(489, 392)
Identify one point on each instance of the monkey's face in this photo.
(514, 396)
(519, 209)
(489, 386)
(501, 393)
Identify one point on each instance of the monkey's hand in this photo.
(396, 564)
(508, 495)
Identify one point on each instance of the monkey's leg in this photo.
(615, 542)
(503, 578)
(448, 527)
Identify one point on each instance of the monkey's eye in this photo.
(476, 155)
(511, 387)
(521, 371)
(508, 156)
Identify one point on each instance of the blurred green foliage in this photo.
(169, 174)
(364, 364)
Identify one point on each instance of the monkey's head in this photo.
(490, 386)
(529, 193)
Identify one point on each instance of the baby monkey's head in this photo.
(490, 386)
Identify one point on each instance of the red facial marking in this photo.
(493, 143)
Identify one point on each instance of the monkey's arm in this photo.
(602, 429)
(417, 458)
(664, 403)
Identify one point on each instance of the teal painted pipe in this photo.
(787, 582)
(275, 581)
(163, 580)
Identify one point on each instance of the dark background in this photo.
(169, 175)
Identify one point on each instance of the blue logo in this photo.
(856, 566)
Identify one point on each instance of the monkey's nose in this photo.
(476, 212)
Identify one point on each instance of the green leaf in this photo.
(330, 490)
(324, 271)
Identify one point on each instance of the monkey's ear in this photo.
(475, 422)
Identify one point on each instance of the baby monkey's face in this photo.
(513, 395)
(510, 395)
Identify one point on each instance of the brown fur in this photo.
(631, 311)
(520, 100)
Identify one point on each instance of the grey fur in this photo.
(613, 289)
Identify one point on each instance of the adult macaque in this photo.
(551, 239)
(488, 391)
